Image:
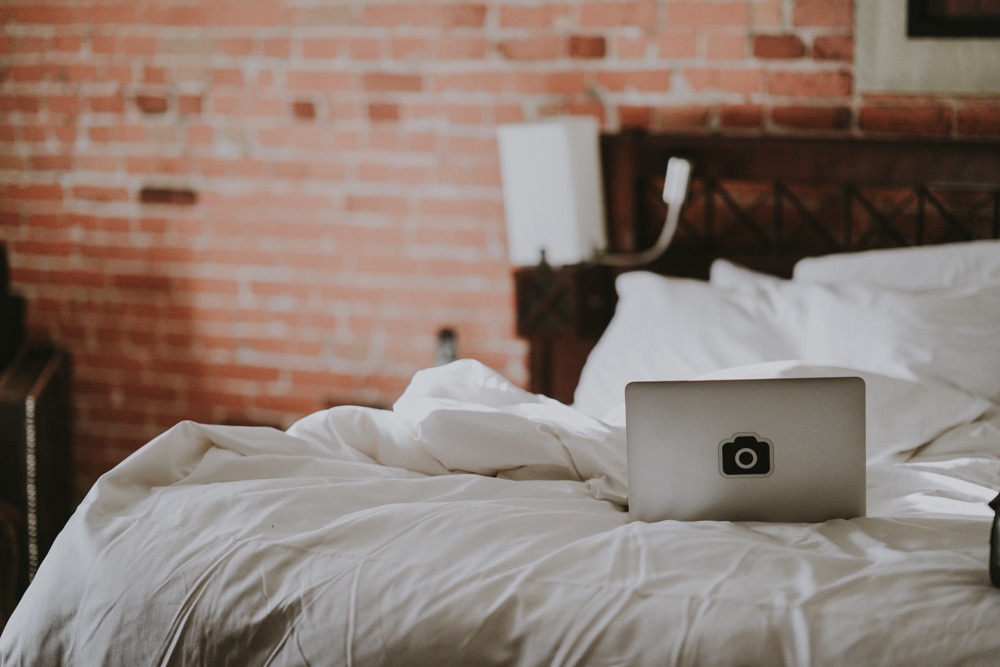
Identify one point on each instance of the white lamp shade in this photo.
(552, 190)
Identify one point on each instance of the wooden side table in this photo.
(561, 311)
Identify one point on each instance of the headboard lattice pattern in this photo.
(764, 203)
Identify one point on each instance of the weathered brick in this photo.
(392, 82)
(151, 103)
(742, 116)
(834, 47)
(778, 46)
(703, 15)
(546, 47)
(304, 110)
(787, 83)
(915, 120)
(607, 13)
(686, 118)
(978, 120)
(812, 118)
(532, 16)
(725, 45)
(823, 13)
(587, 46)
(646, 80)
(161, 195)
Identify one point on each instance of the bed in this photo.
(477, 522)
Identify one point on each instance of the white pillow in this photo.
(676, 329)
(901, 414)
(942, 266)
(946, 336)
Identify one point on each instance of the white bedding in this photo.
(479, 524)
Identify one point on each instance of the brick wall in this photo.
(246, 211)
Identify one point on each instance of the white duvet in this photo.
(478, 524)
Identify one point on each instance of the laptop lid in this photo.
(788, 450)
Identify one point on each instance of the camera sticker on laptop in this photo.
(746, 455)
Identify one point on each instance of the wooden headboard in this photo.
(764, 203)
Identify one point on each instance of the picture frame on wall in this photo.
(953, 18)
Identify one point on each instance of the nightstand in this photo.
(562, 311)
(36, 474)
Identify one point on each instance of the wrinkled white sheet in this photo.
(479, 524)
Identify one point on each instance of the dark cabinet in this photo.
(36, 478)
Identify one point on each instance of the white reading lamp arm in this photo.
(674, 191)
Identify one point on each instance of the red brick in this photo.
(532, 16)
(566, 83)
(31, 73)
(321, 48)
(323, 15)
(398, 15)
(42, 14)
(629, 47)
(978, 120)
(834, 47)
(492, 82)
(12, 162)
(151, 103)
(823, 13)
(677, 44)
(321, 80)
(576, 107)
(31, 192)
(388, 205)
(103, 44)
(584, 46)
(28, 45)
(682, 118)
(460, 48)
(812, 118)
(916, 121)
(227, 77)
(140, 46)
(67, 43)
(158, 195)
(617, 13)
(778, 46)
(96, 193)
(22, 103)
(276, 47)
(32, 133)
(657, 80)
(745, 116)
(118, 14)
(304, 110)
(809, 84)
(701, 15)
(52, 162)
(743, 81)
(188, 104)
(154, 75)
(77, 73)
(548, 47)
(392, 82)
(463, 15)
(236, 46)
(725, 45)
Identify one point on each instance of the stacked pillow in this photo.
(929, 315)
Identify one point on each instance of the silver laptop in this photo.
(789, 450)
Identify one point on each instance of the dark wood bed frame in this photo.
(762, 202)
